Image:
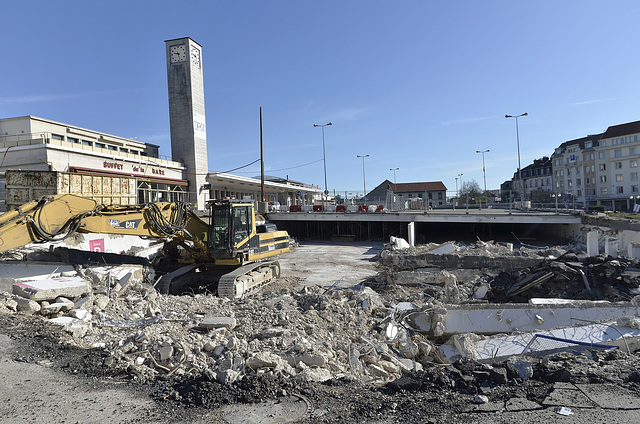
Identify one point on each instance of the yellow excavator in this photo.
(232, 249)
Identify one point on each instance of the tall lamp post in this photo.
(461, 186)
(519, 169)
(364, 181)
(394, 175)
(324, 159)
(484, 175)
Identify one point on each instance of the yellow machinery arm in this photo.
(55, 217)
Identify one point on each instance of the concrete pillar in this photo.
(634, 250)
(592, 243)
(611, 247)
(412, 234)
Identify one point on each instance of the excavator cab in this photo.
(232, 227)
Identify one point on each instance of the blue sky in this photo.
(416, 85)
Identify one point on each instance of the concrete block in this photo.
(592, 243)
(611, 247)
(49, 289)
(165, 352)
(634, 250)
(264, 360)
(71, 325)
(54, 308)
(218, 322)
(411, 231)
(28, 306)
(310, 360)
(443, 249)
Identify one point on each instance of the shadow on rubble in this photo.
(571, 276)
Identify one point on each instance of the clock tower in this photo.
(186, 114)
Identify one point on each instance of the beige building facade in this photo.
(30, 143)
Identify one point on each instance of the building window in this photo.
(633, 163)
(86, 143)
(634, 188)
(587, 144)
(634, 176)
(619, 190)
(587, 180)
(618, 165)
(57, 137)
(617, 153)
(603, 166)
(570, 183)
(619, 177)
(73, 140)
(603, 191)
(578, 182)
(602, 155)
(603, 178)
(101, 145)
(632, 150)
(112, 147)
(603, 143)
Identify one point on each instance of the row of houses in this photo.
(599, 169)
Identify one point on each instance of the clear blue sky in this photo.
(416, 85)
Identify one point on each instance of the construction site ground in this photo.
(333, 299)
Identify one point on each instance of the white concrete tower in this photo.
(186, 114)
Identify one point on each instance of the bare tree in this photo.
(470, 191)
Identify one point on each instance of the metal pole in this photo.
(484, 176)
(364, 181)
(519, 167)
(461, 185)
(324, 160)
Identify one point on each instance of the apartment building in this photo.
(536, 178)
(616, 164)
(574, 171)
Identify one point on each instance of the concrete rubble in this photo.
(423, 308)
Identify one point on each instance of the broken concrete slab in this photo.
(502, 347)
(218, 322)
(443, 248)
(48, 289)
(18, 271)
(506, 318)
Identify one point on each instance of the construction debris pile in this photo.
(430, 306)
(311, 334)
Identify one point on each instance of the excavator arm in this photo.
(56, 217)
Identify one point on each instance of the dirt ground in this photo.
(47, 379)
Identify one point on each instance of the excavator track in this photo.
(247, 278)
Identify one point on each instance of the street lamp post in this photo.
(394, 175)
(324, 159)
(461, 185)
(364, 181)
(484, 175)
(457, 193)
(519, 168)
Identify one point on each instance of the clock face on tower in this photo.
(195, 56)
(177, 53)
